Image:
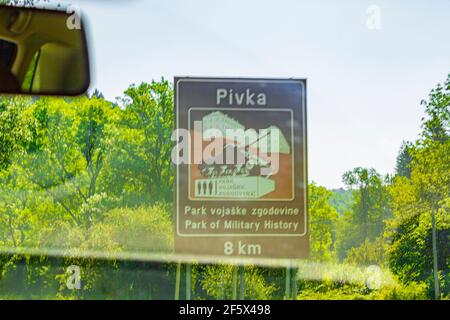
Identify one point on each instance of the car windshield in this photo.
(354, 203)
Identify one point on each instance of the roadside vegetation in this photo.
(89, 175)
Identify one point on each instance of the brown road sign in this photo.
(241, 167)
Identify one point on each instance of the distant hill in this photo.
(341, 200)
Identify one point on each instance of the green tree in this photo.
(368, 253)
(17, 128)
(149, 114)
(370, 207)
(403, 163)
(322, 219)
(69, 152)
(70, 168)
(436, 123)
(422, 200)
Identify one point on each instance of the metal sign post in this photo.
(294, 283)
(177, 281)
(188, 282)
(288, 284)
(242, 283)
(235, 274)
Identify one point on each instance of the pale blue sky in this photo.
(364, 86)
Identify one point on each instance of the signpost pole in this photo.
(241, 291)
(188, 281)
(235, 271)
(177, 281)
(288, 283)
(294, 283)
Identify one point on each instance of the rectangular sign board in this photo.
(241, 167)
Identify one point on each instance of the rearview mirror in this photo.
(42, 53)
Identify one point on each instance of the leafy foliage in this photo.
(416, 198)
(88, 178)
(322, 218)
(341, 200)
(217, 281)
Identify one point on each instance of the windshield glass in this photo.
(353, 204)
